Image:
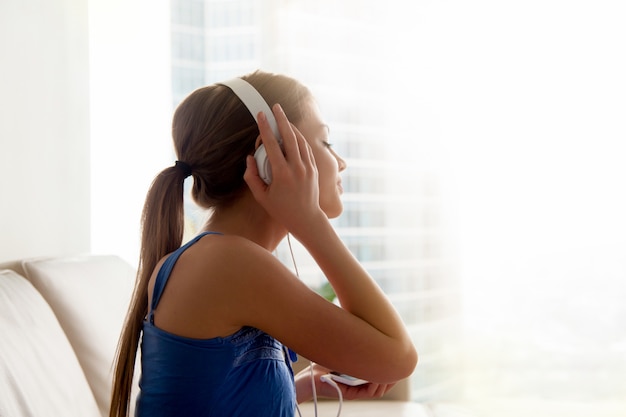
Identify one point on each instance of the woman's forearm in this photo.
(357, 292)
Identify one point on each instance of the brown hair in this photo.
(213, 133)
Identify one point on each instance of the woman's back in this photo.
(246, 373)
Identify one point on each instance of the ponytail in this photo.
(162, 227)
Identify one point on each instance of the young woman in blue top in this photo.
(214, 315)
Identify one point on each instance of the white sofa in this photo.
(59, 324)
(60, 320)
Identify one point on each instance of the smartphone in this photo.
(347, 379)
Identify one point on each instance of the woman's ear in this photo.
(257, 143)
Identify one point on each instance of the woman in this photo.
(213, 337)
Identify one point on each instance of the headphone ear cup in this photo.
(263, 164)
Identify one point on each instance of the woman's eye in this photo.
(328, 144)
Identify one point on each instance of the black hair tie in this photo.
(184, 167)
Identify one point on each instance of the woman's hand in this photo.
(304, 390)
(293, 196)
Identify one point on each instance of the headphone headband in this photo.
(253, 100)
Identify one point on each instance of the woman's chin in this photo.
(334, 211)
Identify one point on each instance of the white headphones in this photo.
(255, 104)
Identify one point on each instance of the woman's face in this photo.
(329, 164)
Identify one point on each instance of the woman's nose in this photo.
(342, 164)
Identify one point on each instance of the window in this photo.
(486, 165)
(390, 228)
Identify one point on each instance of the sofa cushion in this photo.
(90, 296)
(39, 372)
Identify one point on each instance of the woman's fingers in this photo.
(290, 143)
(252, 178)
(306, 153)
(272, 146)
(294, 147)
(365, 391)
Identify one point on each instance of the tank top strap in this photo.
(166, 269)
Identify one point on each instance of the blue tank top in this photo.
(245, 374)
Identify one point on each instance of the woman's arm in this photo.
(366, 338)
(261, 292)
(357, 292)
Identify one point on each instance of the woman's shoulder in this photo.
(229, 255)
(213, 275)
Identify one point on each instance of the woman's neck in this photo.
(247, 219)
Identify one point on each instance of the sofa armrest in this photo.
(89, 296)
(39, 372)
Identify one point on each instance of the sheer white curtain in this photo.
(527, 103)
